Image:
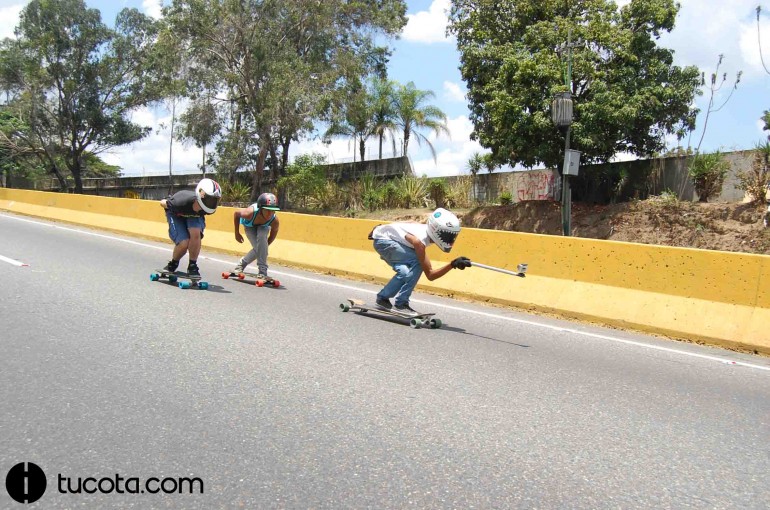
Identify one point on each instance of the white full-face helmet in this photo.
(443, 227)
(208, 194)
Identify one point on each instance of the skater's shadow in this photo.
(444, 327)
(218, 289)
(211, 288)
(252, 284)
(464, 332)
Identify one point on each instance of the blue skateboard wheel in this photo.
(203, 285)
(154, 277)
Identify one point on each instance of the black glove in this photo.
(461, 263)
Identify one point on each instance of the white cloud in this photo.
(707, 28)
(428, 26)
(152, 8)
(453, 92)
(451, 156)
(9, 18)
(150, 156)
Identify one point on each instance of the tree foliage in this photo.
(412, 113)
(74, 81)
(627, 93)
(282, 64)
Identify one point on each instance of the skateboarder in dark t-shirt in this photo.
(186, 215)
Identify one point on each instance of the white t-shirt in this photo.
(398, 231)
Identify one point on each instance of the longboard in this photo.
(173, 277)
(416, 321)
(258, 281)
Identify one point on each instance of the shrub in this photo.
(413, 191)
(303, 178)
(235, 192)
(460, 191)
(506, 198)
(327, 197)
(437, 191)
(755, 181)
(708, 172)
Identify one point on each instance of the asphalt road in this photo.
(274, 398)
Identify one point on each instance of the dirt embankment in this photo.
(711, 226)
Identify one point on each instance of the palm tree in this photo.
(382, 108)
(412, 114)
(474, 167)
(353, 121)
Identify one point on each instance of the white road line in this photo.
(12, 261)
(448, 307)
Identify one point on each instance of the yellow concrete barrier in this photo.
(715, 297)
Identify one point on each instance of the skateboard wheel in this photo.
(260, 283)
(154, 277)
(172, 278)
(435, 323)
(225, 275)
(184, 285)
(241, 276)
(344, 307)
(203, 285)
(414, 323)
(276, 283)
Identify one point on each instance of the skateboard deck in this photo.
(416, 321)
(258, 281)
(173, 277)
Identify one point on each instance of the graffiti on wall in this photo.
(535, 185)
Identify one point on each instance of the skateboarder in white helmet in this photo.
(261, 226)
(186, 212)
(403, 247)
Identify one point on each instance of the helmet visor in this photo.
(210, 202)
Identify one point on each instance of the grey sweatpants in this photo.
(257, 236)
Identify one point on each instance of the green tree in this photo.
(283, 63)
(200, 124)
(412, 114)
(353, 120)
(79, 80)
(304, 177)
(627, 93)
(475, 164)
(382, 108)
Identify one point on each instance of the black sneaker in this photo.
(384, 303)
(171, 266)
(192, 270)
(406, 309)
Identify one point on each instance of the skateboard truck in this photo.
(521, 268)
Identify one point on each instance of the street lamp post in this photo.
(561, 114)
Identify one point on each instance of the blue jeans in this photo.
(178, 226)
(404, 262)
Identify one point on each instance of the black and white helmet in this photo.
(443, 227)
(208, 194)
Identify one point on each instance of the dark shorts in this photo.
(179, 227)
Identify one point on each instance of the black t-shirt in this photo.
(181, 204)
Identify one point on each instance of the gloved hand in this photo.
(461, 263)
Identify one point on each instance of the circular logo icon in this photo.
(25, 482)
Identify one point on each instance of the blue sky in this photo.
(423, 54)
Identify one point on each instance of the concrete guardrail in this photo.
(714, 297)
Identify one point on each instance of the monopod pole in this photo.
(522, 268)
